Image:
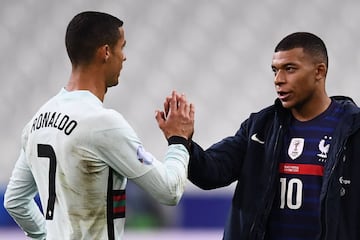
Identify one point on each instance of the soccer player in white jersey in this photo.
(78, 155)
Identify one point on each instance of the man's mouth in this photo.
(283, 96)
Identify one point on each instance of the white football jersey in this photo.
(78, 155)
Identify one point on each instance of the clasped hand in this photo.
(177, 118)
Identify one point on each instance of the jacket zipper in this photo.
(337, 159)
(275, 153)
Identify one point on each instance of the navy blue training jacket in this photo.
(251, 156)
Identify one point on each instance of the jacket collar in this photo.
(352, 111)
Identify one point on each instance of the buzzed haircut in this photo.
(310, 43)
(89, 30)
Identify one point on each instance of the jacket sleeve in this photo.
(19, 200)
(219, 165)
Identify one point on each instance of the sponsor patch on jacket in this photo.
(144, 156)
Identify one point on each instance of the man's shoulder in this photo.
(347, 103)
(268, 111)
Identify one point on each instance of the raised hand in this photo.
(177, 118)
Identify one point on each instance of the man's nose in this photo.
(279, 77)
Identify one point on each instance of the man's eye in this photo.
(290, 69)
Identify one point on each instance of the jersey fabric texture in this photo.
(79, 155)
(296, 210)
(251, 157)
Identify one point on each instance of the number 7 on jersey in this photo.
(45, 150)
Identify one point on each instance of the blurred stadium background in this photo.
(217, 52)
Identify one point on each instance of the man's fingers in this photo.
(192, 111)
(177, 119)
(182, 104)
(173, 101)
(166, 106)
(168, 101)
(160, 117)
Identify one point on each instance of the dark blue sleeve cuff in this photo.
(179, 140)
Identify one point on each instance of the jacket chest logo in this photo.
(296, 148)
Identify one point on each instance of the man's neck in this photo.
(86, 79)
(311, 110)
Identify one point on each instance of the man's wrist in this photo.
(180, 140)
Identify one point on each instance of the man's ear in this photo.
(103, 53)
(321, 71)
(107, 52)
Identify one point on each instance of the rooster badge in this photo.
(324, 147)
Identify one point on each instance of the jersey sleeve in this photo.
(119, 148)
(166, 180)
(117, 144)
(19, 200)
(123, 151)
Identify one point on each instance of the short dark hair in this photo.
(309, 42)
(89, 30)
